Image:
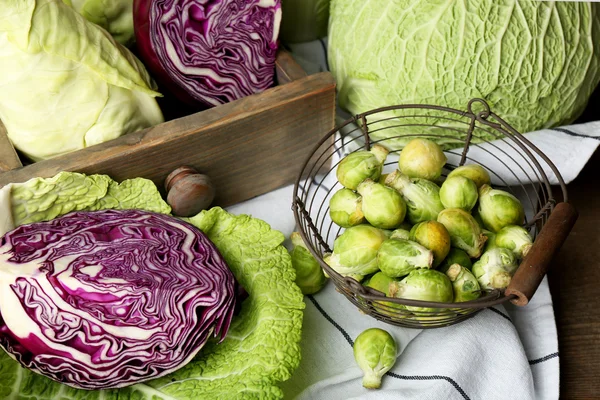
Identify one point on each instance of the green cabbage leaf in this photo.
(262, 346)
(116, 16)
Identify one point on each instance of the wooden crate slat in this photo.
(8, 156)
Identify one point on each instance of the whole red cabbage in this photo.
(110, 298)
(209, 52)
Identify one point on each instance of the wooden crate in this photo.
(248, 147)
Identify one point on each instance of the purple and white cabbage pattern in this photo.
(209, 52)
(110, 298)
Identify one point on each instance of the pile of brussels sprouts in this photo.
(408, 237)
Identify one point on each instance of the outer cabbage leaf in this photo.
(65, 84)
(116, 16)
(262, 346)
(535, 62)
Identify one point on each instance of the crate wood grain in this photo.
(248, 147)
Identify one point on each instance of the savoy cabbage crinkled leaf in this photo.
(262, 346)
(535, 62)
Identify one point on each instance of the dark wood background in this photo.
(574, 281)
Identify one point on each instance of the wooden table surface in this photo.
(574, 281)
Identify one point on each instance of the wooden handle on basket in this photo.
(546, 245)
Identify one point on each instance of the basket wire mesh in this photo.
(476, 135)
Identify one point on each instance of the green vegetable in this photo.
(455, 256)
(66, 84)
(426, 285)
(262, 346)
(422, 158)
(355, 251)
(360, 165)
(397, 257)
(516, 239)
(464, 231)
(309, 274)
(375, 353)
(382, 206)
(490, 243)
(434, 236)
(380, 281)
(459, 192)
(400, 234)
(345, 208)
(474, 172)
(465, 285)
(498, 208)
(495, 268)
(116, 16)
(535, 62)
(422, 197)
(303, 20)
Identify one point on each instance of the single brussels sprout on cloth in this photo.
(400, 234)
(422, 197)
(433, 236)
(355, 251)
(498, 208)
(360, 165)
(459, 192)
(426, 285)
(456, 256)
(345, 208)
(309, 274)
(464, 231)
(514, 238)
(474, 172)
(495, 268)
(375, 352)
(465, 285)
(397, 257)
(422, 158)
(382, 206)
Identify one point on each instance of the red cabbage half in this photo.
(209, 52)
(110, 298)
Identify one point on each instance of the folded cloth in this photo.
(504, 351)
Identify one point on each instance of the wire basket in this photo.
(476, 135)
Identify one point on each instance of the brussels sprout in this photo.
(355, 251)
(382, 178)
(381, 282)
(514, 238)
(422, 197)
(426, 285)
(400, 234)
(498, 208)
(474, 172)
(495, 268)
(397, 257)
(459, 192)
(382, 206)
(456, 256)
(375, 353)
(360, 165)
(422, 158)
(345, 208)
(464, 231)
(309, 274)
(490, 243)
(434, 236)
(465, 285)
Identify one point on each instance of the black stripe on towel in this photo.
(402, 377)
(571, 133)
(500, 313)
(545, 358)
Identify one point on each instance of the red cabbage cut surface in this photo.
(110, 298)
(209, 52)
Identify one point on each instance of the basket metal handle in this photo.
(535, 265)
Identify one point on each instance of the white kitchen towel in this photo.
(504, 351)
